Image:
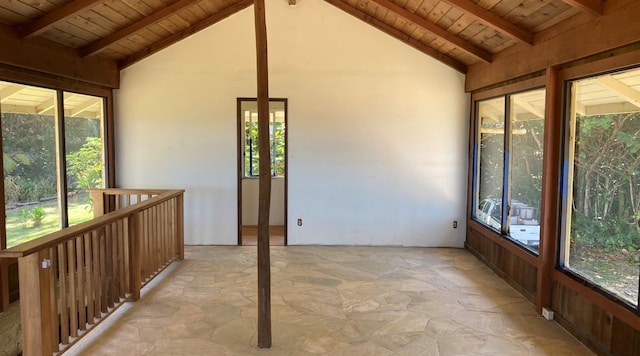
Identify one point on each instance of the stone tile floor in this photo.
(330, 301)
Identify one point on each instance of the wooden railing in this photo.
(72, 279)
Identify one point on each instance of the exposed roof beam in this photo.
(45, 106)
(492, 20)
(164, 43)
(80, 108)
(135, 27)
(595, 7)
(403, 37)
(8, 92)
(535, 111)
(626, 92)
(477, 52)
(48, 20)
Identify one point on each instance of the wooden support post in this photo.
(550, 189)
(264, 193)
(97, 197)
(37, 327)
(179, 235)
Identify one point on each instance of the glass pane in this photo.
(527, 134)
(29, 157)
(490, 161)
(602, 238)
(249, 112)
(84, 153)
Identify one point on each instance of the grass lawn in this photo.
(19, 232)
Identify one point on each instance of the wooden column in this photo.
(264, 193)
(550, 189)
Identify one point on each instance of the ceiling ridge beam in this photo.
(492, 20)
(101, 44)
(595, 7)
(49, 20)
(400, 36)
(471, 49)
(168, 41)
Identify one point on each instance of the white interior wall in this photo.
(250, 201)
(377, 130)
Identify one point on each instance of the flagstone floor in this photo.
(330, 301)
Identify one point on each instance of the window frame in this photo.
(9, 293)
(505, 92)
(567, 183)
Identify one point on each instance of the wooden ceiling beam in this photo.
(624, 91)
(49, 19)
(166, 42)
(53, 59)
(403, 37)
(135, 27)
(492, 20)
(8, 92)
(476, 52)
(80, 108)
(595, 7)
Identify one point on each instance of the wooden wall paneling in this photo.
(604, 34)
(518, 273)
(624, 340)
(590, 324)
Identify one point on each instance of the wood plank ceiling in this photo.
(456, 32)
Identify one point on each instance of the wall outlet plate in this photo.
(547, 313)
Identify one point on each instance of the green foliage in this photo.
(36, 214)
(609, 235)
(19, 190)
(277, 149)
(11, 161)
(85, 164)
(25, 217)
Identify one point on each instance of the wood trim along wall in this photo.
(576, 38)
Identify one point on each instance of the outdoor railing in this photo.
(72, 279)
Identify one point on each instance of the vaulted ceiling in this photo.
(456, 32)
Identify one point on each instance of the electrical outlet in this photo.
(547, 313)
(299, 222)
(455, 224)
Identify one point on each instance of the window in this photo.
(601, 210)
(509, 166)
(249, 114)
(32, 131)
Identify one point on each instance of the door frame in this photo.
(240, 160)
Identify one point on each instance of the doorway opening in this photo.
(248, 171)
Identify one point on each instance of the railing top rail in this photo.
(117, 191)
(63, 235)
